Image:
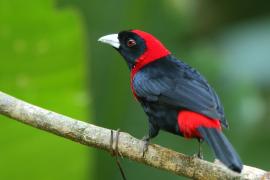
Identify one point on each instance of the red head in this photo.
(154, 49)
(137, 47)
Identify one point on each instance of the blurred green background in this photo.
(49, 56)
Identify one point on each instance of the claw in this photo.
(200, 153)
(146, 141)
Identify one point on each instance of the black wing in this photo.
(171, 82)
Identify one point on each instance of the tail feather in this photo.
(222, 148)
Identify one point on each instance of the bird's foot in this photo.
(200, 152)
(146, 142)
(198, 155)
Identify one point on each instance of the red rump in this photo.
(189, 121)
(154, 51)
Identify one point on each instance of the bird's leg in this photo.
(146, 141)
(153, 132)
(200, 153)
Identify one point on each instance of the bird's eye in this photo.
(131, 43)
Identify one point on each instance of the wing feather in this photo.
(178, 86)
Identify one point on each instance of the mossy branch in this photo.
(128, 146)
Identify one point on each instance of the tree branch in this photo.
(128, 146)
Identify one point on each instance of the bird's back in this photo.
(171, 83)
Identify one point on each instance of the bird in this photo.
(175, 97)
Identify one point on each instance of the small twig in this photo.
(130, 147)
(114, 152)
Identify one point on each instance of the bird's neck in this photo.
(146, 58)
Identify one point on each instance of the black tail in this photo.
(222, 148)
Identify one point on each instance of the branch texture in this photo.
(128, 146)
